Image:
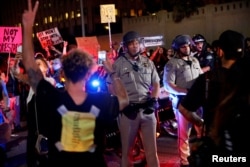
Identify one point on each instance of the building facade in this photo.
(66, 15)
(210, 20)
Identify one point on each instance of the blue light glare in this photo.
(95, 83)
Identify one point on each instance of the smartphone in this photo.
(101, 57)
(19, 49)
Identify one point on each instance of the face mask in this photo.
(56, 65)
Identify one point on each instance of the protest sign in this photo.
(10, 39)
(107, 13)
(153, 41)
(49, 37)
(88, 44)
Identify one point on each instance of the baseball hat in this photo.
(232, 42)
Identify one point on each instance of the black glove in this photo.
(151, 106)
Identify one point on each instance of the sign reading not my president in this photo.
(49, 37)
(10, 39)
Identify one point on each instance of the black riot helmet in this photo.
(130, 36)
(181, 40)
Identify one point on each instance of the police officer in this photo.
(180, 73)
(141, 80)
(205, 57)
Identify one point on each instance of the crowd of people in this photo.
(207, 87)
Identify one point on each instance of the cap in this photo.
(198, 38)
(231, 42)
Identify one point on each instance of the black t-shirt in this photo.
(209, 89)
(227, 106)
(75, 132)
(206, 92)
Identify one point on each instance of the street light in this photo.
(82, 18)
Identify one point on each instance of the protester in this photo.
(160, 58)
(5, 132)
(5, 123)
(56, 66)
(180, 72)
(13, 86)
(75, 120)
(141, 80)
(225, 110)
(34, 122)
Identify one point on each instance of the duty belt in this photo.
(138, 105)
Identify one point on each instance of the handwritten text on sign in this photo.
(107, 13)
(10, 39)
(49, 37)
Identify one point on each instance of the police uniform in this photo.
(138, 77)
(206, 59)
(183, 74)
(179, 72)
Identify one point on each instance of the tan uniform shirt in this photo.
(137, 83)
(182, 74)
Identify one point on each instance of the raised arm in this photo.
(117, 85)
(65, 44)
(55, 50)
(153, 56)
(33, 71)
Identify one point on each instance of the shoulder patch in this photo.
(169, 66)
(209, 57)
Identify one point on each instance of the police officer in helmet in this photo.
(180, 73)
(142, 82)
(205, 57)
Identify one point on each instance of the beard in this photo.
(186, 53)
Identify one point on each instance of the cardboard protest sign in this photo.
(88, 44)
(49, 37)
(10, 39)
(153, 41)
(107, 13)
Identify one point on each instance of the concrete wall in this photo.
(209, 21)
